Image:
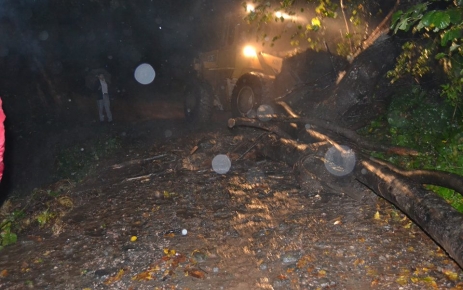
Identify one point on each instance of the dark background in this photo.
(48, 47)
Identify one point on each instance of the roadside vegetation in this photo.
(44, 207)
(429, 125)
(79, 160)
(414, 120)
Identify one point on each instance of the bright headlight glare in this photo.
(249, 51)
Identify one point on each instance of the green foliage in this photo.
(78, 160)
(326, 8)
(44, 217)
(313, 32)
(8, 227)
(416, 121)
(444, 30)
(413, 61)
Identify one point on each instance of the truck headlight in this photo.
(249, 51)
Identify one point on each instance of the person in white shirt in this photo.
(103, 100)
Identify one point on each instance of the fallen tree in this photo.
(326, 163)
(329, 156)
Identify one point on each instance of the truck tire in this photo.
(198, 104)
(246, 96)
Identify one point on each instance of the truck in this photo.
(240, 76)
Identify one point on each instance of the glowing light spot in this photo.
(340, 161)
(144, 74)
(249, 51)
(221, 164)
(250, 8)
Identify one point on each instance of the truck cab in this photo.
(236, 76)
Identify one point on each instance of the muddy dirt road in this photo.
(251, 228)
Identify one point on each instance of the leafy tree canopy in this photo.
(441, 24)
(345, 23)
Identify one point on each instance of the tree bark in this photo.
(432, 213)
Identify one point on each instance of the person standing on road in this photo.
(103, 100)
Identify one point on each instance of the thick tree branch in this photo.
(351, 135)
(271, 127)
(434, 177)
(429, 211)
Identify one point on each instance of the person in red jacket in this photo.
(2, 139)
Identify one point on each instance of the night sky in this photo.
(68, 36)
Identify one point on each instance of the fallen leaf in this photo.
(115, 278)
(377, 216)
(402, 280)
(143, 276)
(374, 283)
(179, 258)
(195, 273)
(300, 264)
(452, 276)
(65, 201)
(133, 238)
(372, 272)
(430, 281)
(4, 273)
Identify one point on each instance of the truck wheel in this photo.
(246, 96)
(198, 104)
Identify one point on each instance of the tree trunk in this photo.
(316, 174)
(353, 97)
